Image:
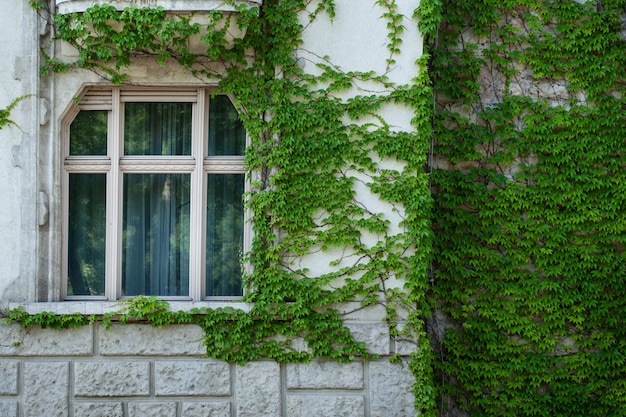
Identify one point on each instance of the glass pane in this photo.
(226, 133)
(224, 245)
(88, 133)
(155, 235)
(86, 234)
(157, 129)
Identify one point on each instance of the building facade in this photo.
(81, 165)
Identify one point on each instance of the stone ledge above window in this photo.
(78, 6)
(102, 307)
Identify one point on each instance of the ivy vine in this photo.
(5, 113)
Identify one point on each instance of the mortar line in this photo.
(366, 388)
(233, 389)
(283, 390)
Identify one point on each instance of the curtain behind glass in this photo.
(88, 133)
(157, 128)
(86, 234)
(227, 135)
(224, 238)
(155, 236)
(155, 247)
(225, 212)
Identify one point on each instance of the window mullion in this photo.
(198, 196)
(65, 134)
(113, 208)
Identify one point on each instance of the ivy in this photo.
(104, 36)
(45, 319)
(6, 112)
(529, 207)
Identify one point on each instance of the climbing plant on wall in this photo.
(311, 149)
(530, 206)
(5, 113)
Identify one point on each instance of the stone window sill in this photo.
(102, 307)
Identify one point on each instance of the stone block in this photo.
(354, 312)
(46, 389)
(326, 406)
(258, 389)
(8, 409)
(374, 335)
(206, 409)
(179, 340)
(8, 381)
(35, 341)
(405, 347)
(325, 375)
(152, 409)
(197, 377)
(98, 409)
(391, 389)
(111, 379)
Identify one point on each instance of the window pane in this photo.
(86, 234)
(226, 133)
(88, 133)
(224, 246)
(155, 247)
(157, 129)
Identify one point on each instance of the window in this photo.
(153, 187)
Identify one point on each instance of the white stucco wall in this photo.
(356, 40)
(18, 173)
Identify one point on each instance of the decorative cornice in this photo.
(78, 6)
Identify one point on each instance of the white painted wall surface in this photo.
(18, 77)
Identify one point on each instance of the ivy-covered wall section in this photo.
(529, 179)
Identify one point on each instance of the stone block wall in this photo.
(136, 370)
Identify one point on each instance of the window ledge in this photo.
(79, 6)
(102, 307)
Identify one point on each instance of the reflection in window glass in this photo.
(157, 129)
(86, 234)
(155, 247)
(226, 133)
(88, 133)
(224, 239)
